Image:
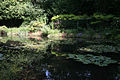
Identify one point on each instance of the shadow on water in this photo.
(62, 69)
(33, 60)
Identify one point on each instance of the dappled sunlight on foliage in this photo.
(59, 40)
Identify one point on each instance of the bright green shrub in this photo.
(46, 30)
(11, 9)
(68, 17)
(67, 21)
(4, 8)
(37, 24)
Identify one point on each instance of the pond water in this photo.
(55, 59)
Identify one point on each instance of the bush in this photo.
(95, 21)
(46, 30)
(56, 7)
(37, 24)
(11, 9)
(67, 21)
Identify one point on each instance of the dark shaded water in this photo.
(34, 61)
(61, 69)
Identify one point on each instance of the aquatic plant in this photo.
(91, 59)
(99, 49)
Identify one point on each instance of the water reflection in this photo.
(1, 56)
(62, 69)
(37, 64)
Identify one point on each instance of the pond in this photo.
(59, 59)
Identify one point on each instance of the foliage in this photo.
(16, 60)
(100, 49)
(91, 59)
(96, 21)
(10, 72)
(46, 30)
(68, 17)
(37, 24)
(67, 21)
(112, 34)
(12, 9)
(18, 30)
(56, 7)
(4, 28)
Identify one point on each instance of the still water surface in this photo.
(20, 64)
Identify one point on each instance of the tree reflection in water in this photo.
(37, 63)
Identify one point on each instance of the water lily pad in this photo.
(91, 59)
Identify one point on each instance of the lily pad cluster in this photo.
(99, 49)
(91, 59)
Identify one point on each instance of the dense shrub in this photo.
(56, 7)
(67, 21)
(14, 10)
(94, 21)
